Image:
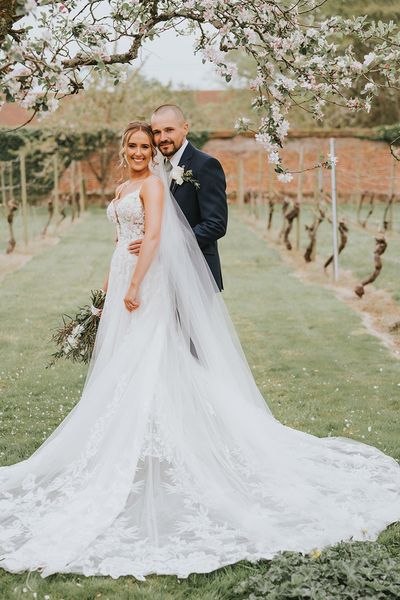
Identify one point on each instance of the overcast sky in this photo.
(170, 58)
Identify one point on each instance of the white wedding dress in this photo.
(171, 463)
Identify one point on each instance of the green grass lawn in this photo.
(317, 368)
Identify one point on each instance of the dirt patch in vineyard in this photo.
(379, 312)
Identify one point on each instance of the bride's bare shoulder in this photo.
(152, 185)
(153, 177)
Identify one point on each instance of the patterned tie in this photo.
(168, 168)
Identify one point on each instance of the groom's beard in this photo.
(169, 149)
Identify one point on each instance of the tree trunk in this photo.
(380, 247)
(310, 253)
(290, 217)
(343, 231)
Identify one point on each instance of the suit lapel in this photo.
(184, 161)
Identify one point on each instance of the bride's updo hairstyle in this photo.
(131, 128)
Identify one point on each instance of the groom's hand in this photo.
(134, 247)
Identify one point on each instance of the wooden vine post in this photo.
(24, 196)
(240, 183)
(299, 195)
(3, 184)
(392, 195)
(319, 214)
(334, 211)
(72, 190)
(320, 181)
(271, 195)
(260, 181)
(320, 195)
(11, 182)
(56, 186)
(358, 193)
(10, 205)
(82, 199)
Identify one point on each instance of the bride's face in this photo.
(138, 151)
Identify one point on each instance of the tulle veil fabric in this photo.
(171, 462)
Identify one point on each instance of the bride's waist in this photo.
(121, 250)
(122, 242)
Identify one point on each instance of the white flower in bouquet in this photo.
(72, 341)
(76, 338)
(73, 338)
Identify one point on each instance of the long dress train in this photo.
(171, 462)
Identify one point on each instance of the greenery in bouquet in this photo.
(75, 339)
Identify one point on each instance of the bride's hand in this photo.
(131, 299)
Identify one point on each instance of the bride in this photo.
(171, 463)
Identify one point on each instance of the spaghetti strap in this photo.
(121, 187)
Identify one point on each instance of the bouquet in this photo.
(75, 340)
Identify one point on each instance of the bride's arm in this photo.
(152, 194)
(105, 285)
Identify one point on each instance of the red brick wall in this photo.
(363, 165)
(13, 115)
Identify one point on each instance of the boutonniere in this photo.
(179, 175)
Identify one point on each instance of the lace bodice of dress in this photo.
(128, 216)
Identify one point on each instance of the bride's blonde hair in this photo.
(131, 128)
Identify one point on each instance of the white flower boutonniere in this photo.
(179, 175)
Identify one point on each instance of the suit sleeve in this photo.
(212, 203)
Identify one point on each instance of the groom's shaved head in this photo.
(169, 128)
(164, 108)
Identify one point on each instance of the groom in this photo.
(204, 207)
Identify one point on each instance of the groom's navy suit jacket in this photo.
(205, 208)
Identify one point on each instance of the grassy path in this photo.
(316, 365)
(318, 370)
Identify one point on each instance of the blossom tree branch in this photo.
(301, 60)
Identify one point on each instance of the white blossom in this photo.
(369, 87)
(46, 35)
(19, 71)
(242, 123)
(283, 128)
(256, 83)
(285, 177)
(369, 58)
(274, 158)
(52, 104)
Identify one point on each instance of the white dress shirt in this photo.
(175, 158)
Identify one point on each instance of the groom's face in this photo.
(169, 132)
